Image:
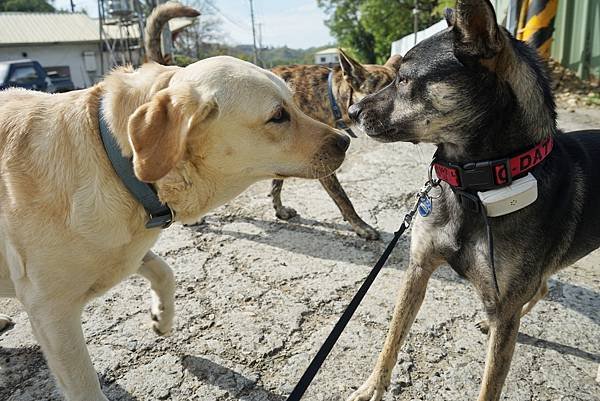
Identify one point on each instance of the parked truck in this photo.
(29, 74)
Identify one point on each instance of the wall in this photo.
(330, 58)
(57, 55)
(577, 36)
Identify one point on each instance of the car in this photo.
(59, 79)
(27, 74)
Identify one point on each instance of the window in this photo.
(3, 72)
(323, 59)
(24, 75)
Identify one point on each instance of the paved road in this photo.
(256, 297)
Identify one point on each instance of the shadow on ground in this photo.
(560, 348)
(300, 237)
(236, 384)
(24, 368)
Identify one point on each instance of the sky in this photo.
(295, 23)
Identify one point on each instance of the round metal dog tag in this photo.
(425, 206)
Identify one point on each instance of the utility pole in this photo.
(260, 44)
(253, 32)
(72, 6)
(416, 17)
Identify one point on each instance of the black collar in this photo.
(337, 113)
(466, 179)
(491, 174)
(159, 215)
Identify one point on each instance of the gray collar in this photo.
(159, 215)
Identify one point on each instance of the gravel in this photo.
(256, 297)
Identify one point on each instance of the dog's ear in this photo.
(158, 130)
(353, 71)
(449, 16)
(394, 62)
(476, 31)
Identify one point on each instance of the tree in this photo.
(199, 40)
(26, 6)
(368, 27)
(346, 26)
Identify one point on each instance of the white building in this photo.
(403, 45)
(68, 43)
(327, 57)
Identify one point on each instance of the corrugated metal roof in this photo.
(331, 50)
(28, 28)
(20, 28)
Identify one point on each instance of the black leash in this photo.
(317, 362)
(490, 238)
(472, 203)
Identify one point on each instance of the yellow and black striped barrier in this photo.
(536, 23)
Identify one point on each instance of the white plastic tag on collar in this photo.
(518, 195)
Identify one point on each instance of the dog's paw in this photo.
(371, 390)
(365, 231)
(483, 326)
(162, 317)
(285, 213)
(5, 322)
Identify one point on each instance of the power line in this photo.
(227, 17)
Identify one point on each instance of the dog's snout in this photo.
(354, 111)
(343, 142)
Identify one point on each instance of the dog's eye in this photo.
(401, 80)
(281, 116)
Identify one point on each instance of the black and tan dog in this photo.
(479, 94)
(349, 82)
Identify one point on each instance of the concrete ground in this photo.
(256, 297)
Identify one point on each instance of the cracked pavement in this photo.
(256, 297)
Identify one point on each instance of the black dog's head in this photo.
(471, 79)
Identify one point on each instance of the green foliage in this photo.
(368, 27)
(442, 5)
(346, 25)
(26, 6)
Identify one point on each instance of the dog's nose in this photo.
(354, 112)
(343, 142)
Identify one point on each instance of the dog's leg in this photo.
(337, 193)
(57, 327)
(501, 346)
(540, 294)
(162, 283)
(282, 212)
(484, 325)
(5, 322)
(408, 303)
(6, 290)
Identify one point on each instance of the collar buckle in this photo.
(481, 176)
(163, 219)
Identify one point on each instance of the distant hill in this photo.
(269, 56)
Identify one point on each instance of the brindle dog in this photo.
(479, 94)
(351, 82)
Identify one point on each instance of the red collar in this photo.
(486, 175)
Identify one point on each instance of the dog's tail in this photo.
(155, 24)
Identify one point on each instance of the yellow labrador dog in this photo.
(69, 228)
